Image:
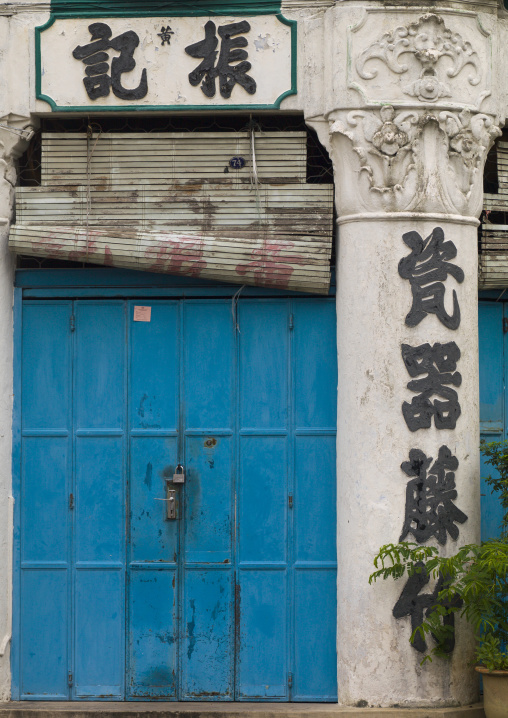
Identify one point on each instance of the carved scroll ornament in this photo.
(438, 53)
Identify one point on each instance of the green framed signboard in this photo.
(104, 63)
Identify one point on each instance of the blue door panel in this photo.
(262, 660)
(99, 393)
(207, 515)
(491, 510)
(236, 598)
(154, 368)
(207, 362)
(263, 367)
(46, 366)
(315, 499)
(152, 461)
(263, 491)
(99, 633)
(208, 638)
(45, 526)
(45, 523)
(44, 638)
(263, 500)
(207, 557)
(153, 608)
(99, 567)
(99, 551)
(314, 527)
(491, 340)
(99, 499)
(315, 631)
(492, 403)
(315, 364)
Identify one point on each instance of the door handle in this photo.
(171, 501)
(171, 504)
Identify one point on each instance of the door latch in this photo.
(171, 503)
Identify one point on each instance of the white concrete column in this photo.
(13, 142)
(376, 663)
(409, 127)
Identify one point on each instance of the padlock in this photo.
(179, 475)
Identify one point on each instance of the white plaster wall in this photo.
(6, 395)
(16, 90)
(376, 662)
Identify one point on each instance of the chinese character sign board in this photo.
(166, 62)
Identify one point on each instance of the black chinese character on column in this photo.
(419, 606)
(230, 52)
(97, 81)
(430, 511)
(426, 268)
(439, 363)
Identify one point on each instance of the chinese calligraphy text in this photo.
(430, 511)
(412, 603)
(439, 363)
(165, 34)
(222, 68)
(97, 81)
(426, 268)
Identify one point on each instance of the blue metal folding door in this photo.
(236, 597)
(493, 397)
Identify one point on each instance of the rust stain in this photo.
(191, 625)
(237, 616)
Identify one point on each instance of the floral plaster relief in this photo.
(416, 160)
(424, 61)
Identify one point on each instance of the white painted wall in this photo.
(6, 295)
(10, 144)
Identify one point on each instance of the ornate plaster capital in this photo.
(398, 160)
(15, 134)
(413, 115)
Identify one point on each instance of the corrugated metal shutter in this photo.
(493, 249)
(171, 202)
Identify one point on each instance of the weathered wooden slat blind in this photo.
(493, 249)
(172, 202)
